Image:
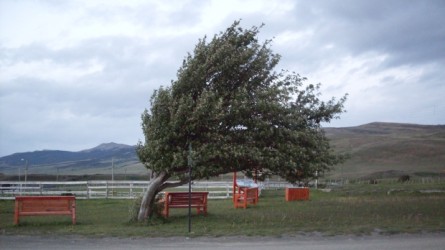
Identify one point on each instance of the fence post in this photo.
(88, 190)
(228, 191)
(131, 189)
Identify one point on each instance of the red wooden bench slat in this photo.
(292, 194)
(44, 205)
(245, 196)
(181, 200)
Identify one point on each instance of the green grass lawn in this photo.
(352, 209)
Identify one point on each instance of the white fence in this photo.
(113, 189)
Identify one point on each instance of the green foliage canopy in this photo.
(238, 114)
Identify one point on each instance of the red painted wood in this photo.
(181, 200)
(297, 194)
(44, 206)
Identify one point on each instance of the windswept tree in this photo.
(238, 114)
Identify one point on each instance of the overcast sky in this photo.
(74, 74)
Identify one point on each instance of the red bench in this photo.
(245, 196)
(181, 200)
(297, 194)
(45, 205)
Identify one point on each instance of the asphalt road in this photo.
(307, 242)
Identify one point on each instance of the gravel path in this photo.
(307, 242)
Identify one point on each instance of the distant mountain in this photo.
(376, 150)
(86, 161)
(110, 147)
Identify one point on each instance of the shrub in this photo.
(404, 178)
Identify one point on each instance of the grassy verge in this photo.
(352, 209)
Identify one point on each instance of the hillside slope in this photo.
(96, 160)
(376, 150)
(379, 149)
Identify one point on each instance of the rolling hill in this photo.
(376, 150)
(381, 150)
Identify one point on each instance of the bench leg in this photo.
(73, 216)
(16, 213)
(201, 210)
(73, 212)
(165, 212)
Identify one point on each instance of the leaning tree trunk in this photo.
(148, 199)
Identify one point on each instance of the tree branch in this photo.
(172, 184)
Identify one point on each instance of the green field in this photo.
(351, 209)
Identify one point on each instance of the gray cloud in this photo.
(409, 32)
(87, 78)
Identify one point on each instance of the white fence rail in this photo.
(113, 189)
